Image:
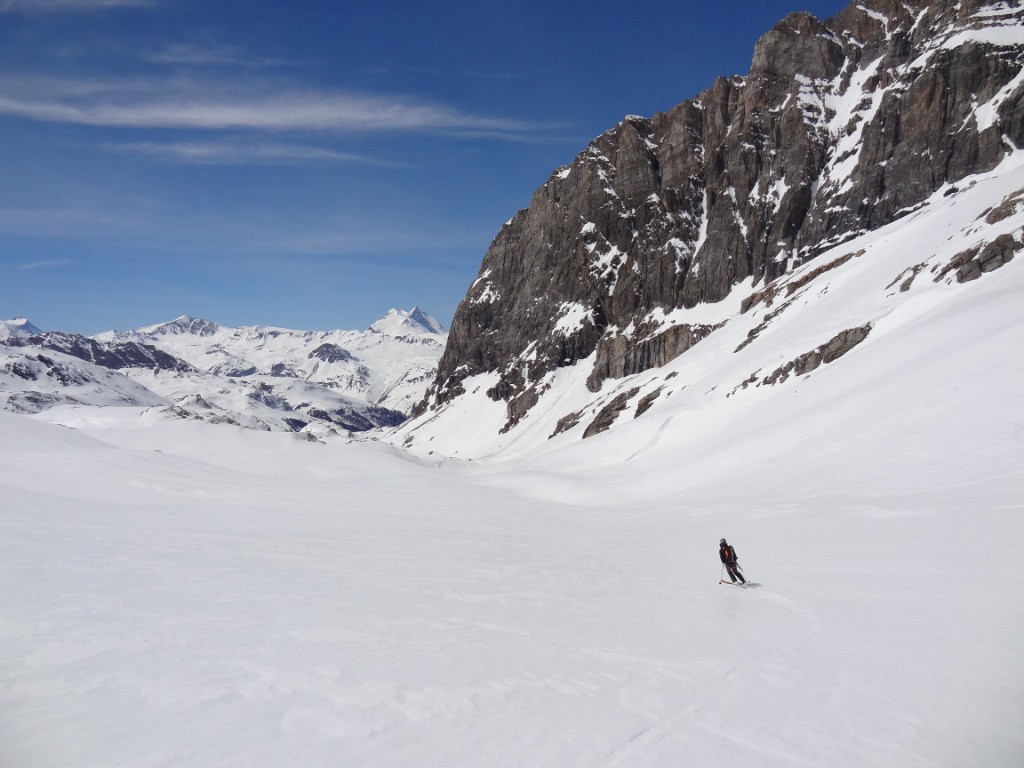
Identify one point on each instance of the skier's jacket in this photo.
(727, 554)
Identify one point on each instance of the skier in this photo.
(728, 557)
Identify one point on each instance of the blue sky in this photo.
(309, 164)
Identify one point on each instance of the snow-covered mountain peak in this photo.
(259, 376)
(398, 322)
(18, 326)
(185, 324)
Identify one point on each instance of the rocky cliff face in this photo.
(840, 127)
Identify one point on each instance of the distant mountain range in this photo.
(254, 376)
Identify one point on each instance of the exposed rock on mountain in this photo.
(970, 264)
(183, 326)
(33, 379)
(841, 127)
(835, 348)
(113, 355)
(331, 353)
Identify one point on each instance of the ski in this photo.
(731, 583)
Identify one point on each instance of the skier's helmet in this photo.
(722, 541)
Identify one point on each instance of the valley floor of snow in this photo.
(184, 594)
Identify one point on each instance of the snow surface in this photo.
(179, 593)
(33, 379)
(398, 322)
(19, 326)
(571, 317)
(185, 594)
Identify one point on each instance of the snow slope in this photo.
(19, 326)
(185, 594)
(33, 379)
(179, 593)
(892, 284)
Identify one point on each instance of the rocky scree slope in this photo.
(840, 127)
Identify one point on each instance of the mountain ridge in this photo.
(841, 128)
(773, 345)
(256, 376)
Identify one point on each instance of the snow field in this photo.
(178, 593)
(187, 595)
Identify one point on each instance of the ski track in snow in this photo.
(632, 752)
(186, 595)
(191, 595)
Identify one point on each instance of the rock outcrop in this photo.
(113, 355)
(839, 128)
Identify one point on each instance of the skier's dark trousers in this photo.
(728, 557)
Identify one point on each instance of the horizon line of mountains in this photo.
(257, 376)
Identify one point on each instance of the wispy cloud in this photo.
(45, 6)
(181, 104)
(202, 55)
(239, 153)
(46, 264)
(89, 218)
(122, 221)
(474, 74)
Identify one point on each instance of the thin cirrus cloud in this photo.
(207, 106)
(187, 54)
(50, 6)
(234, 153)
(44, 264)
(58, 221)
